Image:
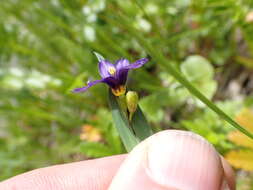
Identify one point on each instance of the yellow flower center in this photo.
(119, 91)
(112, 70)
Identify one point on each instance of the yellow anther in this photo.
(119, 91)
(112, 70)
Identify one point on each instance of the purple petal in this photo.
(89, 84)
(104, 67)
(122, 71)
(111, 81)
(137, 64)
(122, 75)
(122, 63)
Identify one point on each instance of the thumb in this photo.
(171, 160)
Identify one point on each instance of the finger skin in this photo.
(171, 160)
(85, 175)
(229, 174)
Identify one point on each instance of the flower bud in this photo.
(132, 102)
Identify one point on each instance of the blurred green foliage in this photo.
(46, 51)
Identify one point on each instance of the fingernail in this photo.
(183, 160)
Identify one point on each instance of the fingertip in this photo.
(171, 160)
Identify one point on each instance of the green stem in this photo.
(178, 76)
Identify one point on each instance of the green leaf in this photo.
(140, 125)
(121, 124)
(196, 67)
(200, 72)
(113, 140)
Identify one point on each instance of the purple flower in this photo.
(114, 75)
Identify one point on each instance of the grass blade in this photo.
(122, 125)
(140, 125)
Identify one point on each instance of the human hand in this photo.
(169, 160)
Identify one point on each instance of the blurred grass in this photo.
(46, 50)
